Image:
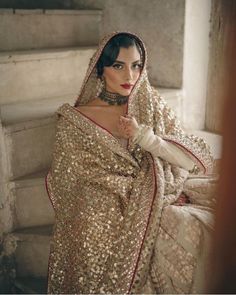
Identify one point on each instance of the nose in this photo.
(128, 74)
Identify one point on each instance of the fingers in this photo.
(126, 120)
(126, 117)
(125, 127)
(124, 135)
(125, 131)
(128, 125)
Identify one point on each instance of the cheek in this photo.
(111, 76)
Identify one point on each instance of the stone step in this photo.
(29, 145)
(28, 29)
(30, 285)
(32, 110)
(32, 204)
(32, 251)
(42, 74)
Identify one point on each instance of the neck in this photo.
(113, 98)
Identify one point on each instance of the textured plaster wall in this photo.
(161, 25)
(196, 55)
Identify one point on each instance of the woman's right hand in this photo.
(127, 126)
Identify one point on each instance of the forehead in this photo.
(129, 54)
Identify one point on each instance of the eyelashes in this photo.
(119, 66)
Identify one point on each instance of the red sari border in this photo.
(148, 220)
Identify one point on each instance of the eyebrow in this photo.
(121, 62)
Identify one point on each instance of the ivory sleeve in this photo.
(145, 137)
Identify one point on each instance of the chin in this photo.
(125, 92)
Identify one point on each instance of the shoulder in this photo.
(86, 110)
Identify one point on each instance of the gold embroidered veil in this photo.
(109, 200)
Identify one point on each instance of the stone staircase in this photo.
(43, 59)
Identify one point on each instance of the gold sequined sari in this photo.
(117, 228)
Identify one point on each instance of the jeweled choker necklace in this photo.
(113, 98)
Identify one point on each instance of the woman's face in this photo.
(123, 74)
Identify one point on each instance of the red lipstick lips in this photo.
(127, 86)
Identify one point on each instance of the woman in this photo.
(119, 173)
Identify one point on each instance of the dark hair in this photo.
(112, 49)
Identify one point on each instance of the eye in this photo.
(117, 66)
(137, 66)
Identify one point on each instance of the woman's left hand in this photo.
(127, 126)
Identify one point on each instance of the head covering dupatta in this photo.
(109, 200)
